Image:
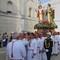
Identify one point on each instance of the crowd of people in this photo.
(32, 46)
(3, 39)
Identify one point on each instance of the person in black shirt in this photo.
(48, 44)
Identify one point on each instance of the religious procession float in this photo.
(45, 20)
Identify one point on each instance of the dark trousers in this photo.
(0, 44)
(49, 54)
(6, 41)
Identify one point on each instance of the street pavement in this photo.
(3, 55)
(54, 57)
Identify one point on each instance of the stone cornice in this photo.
(29, 18)
(10, 15)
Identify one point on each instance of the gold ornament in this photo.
(47, 45)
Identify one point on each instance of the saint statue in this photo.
(40, 14)
(49, 13)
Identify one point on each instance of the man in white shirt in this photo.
(32, 48)
(42, 53)
(25, 42)
(15, 49)
(55, 43)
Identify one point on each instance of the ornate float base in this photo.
(45, 26)
(44, 31)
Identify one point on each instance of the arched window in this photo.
(30, 9)
(9, 6)
(9, 2)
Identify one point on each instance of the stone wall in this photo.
(14, 15)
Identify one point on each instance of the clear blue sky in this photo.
(44, 1)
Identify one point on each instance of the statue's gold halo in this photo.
(49, 4)
(40, 6)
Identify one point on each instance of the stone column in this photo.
(22, 12)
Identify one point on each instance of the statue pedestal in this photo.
(45, 30)
(45, 27)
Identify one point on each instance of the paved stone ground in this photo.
(54, 57)
(3, 55)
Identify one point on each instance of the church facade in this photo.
(16, 15)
